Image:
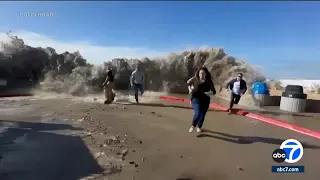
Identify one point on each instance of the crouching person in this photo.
(108, 88)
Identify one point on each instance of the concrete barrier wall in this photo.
(313, 106)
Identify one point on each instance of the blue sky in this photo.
(282, 37)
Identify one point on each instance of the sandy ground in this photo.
(59, 137)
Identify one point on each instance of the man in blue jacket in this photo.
(238, 87)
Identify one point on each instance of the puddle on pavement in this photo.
(5, 125)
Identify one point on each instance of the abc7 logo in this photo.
(279, 155)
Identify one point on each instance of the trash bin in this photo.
(261, 93)
(293, 99)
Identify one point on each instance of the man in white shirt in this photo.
(238, 87)
(137, 80)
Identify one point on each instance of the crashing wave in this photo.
(71, 73)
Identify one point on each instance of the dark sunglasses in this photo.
(240, 76)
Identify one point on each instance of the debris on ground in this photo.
(111, 148)
(80, 120)
(240, 169)
(133, 163)
(112, 169)
(123, 153)
(89, 133)
(112, 140)
(98, 154)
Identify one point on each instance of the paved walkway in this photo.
(307, 120)
(231, 141)
(232, 147)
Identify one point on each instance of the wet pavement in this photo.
(229, 144)
(32, 147)
(32, 152)
(309, 120)
(233, 147)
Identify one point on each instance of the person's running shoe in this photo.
(199, 130)
(229, 111)
(191, 129)
(137, 100)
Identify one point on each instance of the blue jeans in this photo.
(200, 107)
(137, 88)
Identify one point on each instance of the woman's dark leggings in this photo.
(200, 107)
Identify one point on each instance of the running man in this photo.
(108, 88)
(137, 81)
(238, 87)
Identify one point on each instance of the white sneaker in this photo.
(199, 130)
(191, 129)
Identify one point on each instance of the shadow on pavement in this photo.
(35, 126)
(247, 139)
(158, 105)
(164, 105)
(29, 153)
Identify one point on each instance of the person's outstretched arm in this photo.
(229, 83)
(105, 81)
(132, 78)
(190, 82)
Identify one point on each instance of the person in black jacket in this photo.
(108, 87)
(199, 86)
(238, 87)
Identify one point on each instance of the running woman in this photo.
(137, 81)
(238, 87)
(199, 88)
